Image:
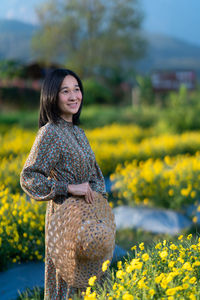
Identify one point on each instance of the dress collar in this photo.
(64, 123)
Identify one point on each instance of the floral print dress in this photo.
(60, 155)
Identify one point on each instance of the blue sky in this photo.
(177, 18)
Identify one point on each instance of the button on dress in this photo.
(60, 155)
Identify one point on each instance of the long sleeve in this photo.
(96, 181)
(35, 177)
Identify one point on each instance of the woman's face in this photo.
(69, 98)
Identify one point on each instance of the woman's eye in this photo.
(65, 92)
(77, 89)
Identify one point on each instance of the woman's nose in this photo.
(72, 95)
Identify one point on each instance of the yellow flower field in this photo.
(22, 228)
(171, 182)
(111, 144)
(163, 271)
(142, 176)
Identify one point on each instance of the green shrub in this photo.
(96, 92)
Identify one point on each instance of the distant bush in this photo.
(183, 110)
(96, 92)
(19, 98)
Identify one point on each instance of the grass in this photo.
(37, 293)
(91, 116)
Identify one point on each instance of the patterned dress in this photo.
(60, 155)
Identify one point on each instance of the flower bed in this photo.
(164, 271)
(22, 228)
(172, 182)
(112, 144)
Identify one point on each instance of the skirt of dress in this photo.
(55, 287)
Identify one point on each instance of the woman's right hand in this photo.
(82, 189)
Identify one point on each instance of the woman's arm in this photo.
(43, 157)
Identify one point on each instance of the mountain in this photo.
(15, 40)
(163, 52)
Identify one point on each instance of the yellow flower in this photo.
(146, 201)
(152, 292)
(163, 254)
(189, 236)
(196, 264)
(129, 269)
(185, 192)
(120, 274)
(105, 265)
(127, 296)
(164, 283)
(192, 280)
(185, 286)
(171, 292)
(159, 278)
(136, 264)
(180, 260)
(187, 266)
(194, 219)
(185, 278)
(141, 283)
(133, 248)
(92, 296)
(158, 246)
(171, 264)
(145, 257)
(173, 247)
(171, 192)
(119, 264)
(180, 237)
(141, 246)
(88, 290)
(192, 297)
(92, 280)
(193, 247)
(193, 194)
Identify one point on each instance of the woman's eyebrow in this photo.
(66, 87)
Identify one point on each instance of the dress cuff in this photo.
(61, 188)
(105, 195)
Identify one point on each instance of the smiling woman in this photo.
(61, 164)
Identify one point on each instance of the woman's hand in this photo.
(82, 189)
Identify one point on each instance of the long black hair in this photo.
(49, 111)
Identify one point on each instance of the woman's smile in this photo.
(73, 105)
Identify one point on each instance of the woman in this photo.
(61, 162)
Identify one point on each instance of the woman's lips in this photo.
(73, 105)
